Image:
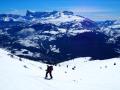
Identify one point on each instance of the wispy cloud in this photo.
(95, 13)
(88, 9)
(15, 11)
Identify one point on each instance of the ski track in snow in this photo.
(87, 75)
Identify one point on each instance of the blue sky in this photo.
(94, 9)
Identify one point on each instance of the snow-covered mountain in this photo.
(54, 37)
(11, 17)
(78, 74)
(112, 30)
(55, 17)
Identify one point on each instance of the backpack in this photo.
(51, 68)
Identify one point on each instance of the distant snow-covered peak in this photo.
(6, 19)
(11, 17)
(115, 25)
(62, 18)
(55, 17)
(117, 21)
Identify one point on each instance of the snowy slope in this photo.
(87, 75)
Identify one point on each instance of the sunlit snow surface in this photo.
(80, 74)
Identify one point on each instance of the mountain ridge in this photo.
(43, 36)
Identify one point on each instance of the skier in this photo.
(49, 71)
